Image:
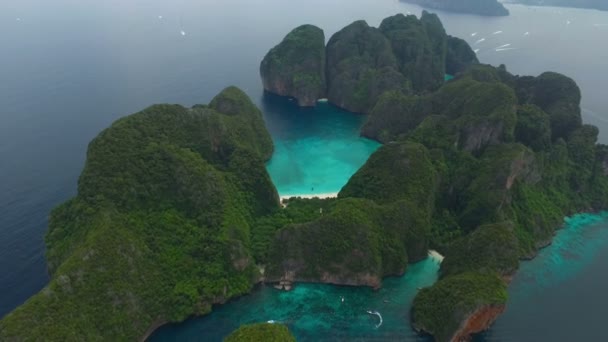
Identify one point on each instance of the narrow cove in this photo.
(315, 312)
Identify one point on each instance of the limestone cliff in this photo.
(360, 63)
(360, 67)
(296, 67)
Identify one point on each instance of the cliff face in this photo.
(296, 67)
(405, 54)
(459, 56)
(269, 332)
(420, 48)
(342, 247)
(459, 305)
(480, 113)
(360, 67)
(478, 321)
(479, 7)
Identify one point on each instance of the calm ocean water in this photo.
(71, 67)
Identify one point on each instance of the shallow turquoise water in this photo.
(316, 149)
(315, 312)
(545, 301)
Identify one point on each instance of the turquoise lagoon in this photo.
(316, 149)
(316, 312)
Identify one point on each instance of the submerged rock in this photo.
(420, 48)
(296, 67)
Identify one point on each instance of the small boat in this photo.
(272, 321)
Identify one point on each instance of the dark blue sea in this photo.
(69, 68)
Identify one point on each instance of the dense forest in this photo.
(593, 4)
(360, 62)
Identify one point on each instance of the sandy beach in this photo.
(322, 196)
(435, 255)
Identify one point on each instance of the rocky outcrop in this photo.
(459, 56)
(393, 115)
(340, 248)
(557, 95)
(296, 67)
(360, 63)
(420, 47)
(478, 321)
(476, 137)
(361, 66)
(459, 305)
(479, 7)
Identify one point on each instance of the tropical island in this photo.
(477, 7)
(176, 212)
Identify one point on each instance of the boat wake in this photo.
(503, 46)
(497, 32)
(481, 40)
(376, 313)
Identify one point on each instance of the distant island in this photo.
(175, 211)
(591, 4)
(478, 7)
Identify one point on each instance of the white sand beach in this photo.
(435, 256)
(321, 196)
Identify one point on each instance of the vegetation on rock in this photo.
(360, 67)
(405, 54)
(442, 308)
(265, 332)
(296, 67)
(160, 228)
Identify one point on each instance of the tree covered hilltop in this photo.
(175, 210)
(160, 228)
(360, 62)
(478, 7)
